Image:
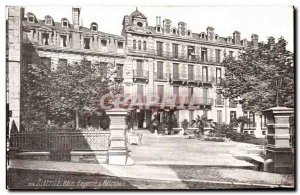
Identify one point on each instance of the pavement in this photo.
(172, 162)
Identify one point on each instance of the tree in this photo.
(201, 122)
(251, 76)
(70, 90)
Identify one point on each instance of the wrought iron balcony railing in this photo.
(161, 76)
(140, 73)
(177, 56)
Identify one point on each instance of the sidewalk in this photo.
(179, 175)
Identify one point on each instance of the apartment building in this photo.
(165, 59)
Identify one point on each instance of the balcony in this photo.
(204, 80)
(140, 75)
(119, 78)
(220, 102)
(161, 76)
(178, 78)
(176, 56)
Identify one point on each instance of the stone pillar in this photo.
(118, 153)
(15, 15)
(278, 150)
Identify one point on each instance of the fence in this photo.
(69, 141)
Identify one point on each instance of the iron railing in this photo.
(161, 76)
(76, 141)
(177, 56)
(140, 73)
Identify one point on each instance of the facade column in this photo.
(278, 152)
(118, 153)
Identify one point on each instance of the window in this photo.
(31, 18)
(218, 72)
(204, 74)
(103, 43)
(175, 50)
(120, 45)
(252, 119)
(189, 33)
(158, 29)
(263, 132)
(86, 43)
(65, 23)
(202, 35)
(48, 21)
(216, 37)
(120, 70)
(218, 56)
(203, 54)
(159, 46)
(205, 95)
(232, 116)
(191, 52)
(160, 70)
(134, 44)
(190, 72)
(145, 45)
(139, 68)
(94, 26)
(219, 100)
(175, 71)
(139, 24)
(63, 40)
(140, 45)
(219, 117)
(174, 31)
(45, 38)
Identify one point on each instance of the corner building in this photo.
(163, 60)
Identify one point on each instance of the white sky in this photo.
(264, 21)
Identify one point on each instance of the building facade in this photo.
(163, 60)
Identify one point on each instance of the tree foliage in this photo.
(251, 76)
(72, 88)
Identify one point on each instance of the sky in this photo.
(264, 21)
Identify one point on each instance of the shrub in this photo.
(185, 124)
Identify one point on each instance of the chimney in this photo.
(210, 33)
(76, 17)
(271, 42)
(167, 26)
(156, 20)
(237, 37)
(254, 40)
(159, 20)
(181, 28)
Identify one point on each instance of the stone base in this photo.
(117, 157)
(97, 157)
(282, 159)
(33, 156)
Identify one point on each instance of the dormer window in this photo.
(216, 37)
(139, 24)
(174, 31)
(229, 40)
(48, 20)
(94, 26)
(31, 17)
(64, 22)
(188, 33)
(202, 35)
